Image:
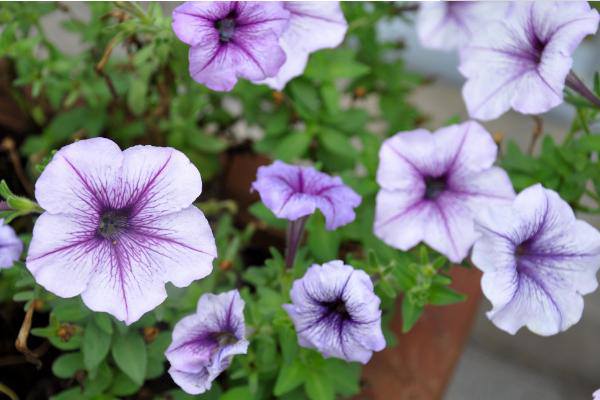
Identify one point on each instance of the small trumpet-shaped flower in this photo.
(537, 262)
(293, 192)
(10, 246)
(522, 62)
(336, 312)
(118, 225)
(231, 39)
(204, 343)
(432, 185)
(313, 26)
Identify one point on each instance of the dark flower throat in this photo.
(112, 223)
(434, 187)
(226, 28)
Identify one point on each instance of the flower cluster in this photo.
(262, 42)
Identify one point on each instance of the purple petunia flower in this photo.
(537, 262)
(433, 184)
(522, 61)
(118, 225)
(448, 25)
(596, 395)
(231, 39)
(10, 246)
(313, 26)
(205, 343)
(336, 312)
(293, 192)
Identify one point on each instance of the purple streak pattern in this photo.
(118, 225)
(537, 262)
(292, 192)
(231, 39)
(204, 343)
(336, 312)
(433, 184)
(522, 62)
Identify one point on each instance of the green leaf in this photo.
(123, 385)
(95, 346)
(290, 377)
(70, 310)
(323, 244)
(103, 322)
(345, 376)
(293, 146)
(129, 352)
(69, 394)
(96, 385)
(590, 142)
(305, 97)
(410, 314)
(66, 365)
(337, 143)
(237, 393)
(440, 295)
(318, 386)
(329, 65)
(136, 95)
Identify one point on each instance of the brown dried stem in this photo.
(8, 145)
(538, 129)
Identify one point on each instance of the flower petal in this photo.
(157, 181)
(401, 218)
(313, 26)
(193, 20)
(11, 246)
(192, 382)
(80, 177)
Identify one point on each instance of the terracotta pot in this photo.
(421, 365)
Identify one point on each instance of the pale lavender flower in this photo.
(204, 343)
(336, 312)
(596, 395)
(537, 262)
(448, 25)
(522, 62)
(433, 184)
(231, 39)
(118, 225)
(313, 26)
(11, 246)
(293, 192)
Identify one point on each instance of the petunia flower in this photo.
(596, 395)
(204, 343)
(11, 246)
(336, 312)
(448, 25)
(432, 185)
(293, 192)
(313, 26)
(118, 225)
(522, 62)
(231, 39)
(537, 262)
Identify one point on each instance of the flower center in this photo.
(226, 28)
(225, 338)
(112, 223)
(434, 187)
(338, 307)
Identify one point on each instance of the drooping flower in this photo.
(537, 262)
(313, 26)
(522, 62)
(336, 312)
(231, 39)
(118, 225)
(204, 343)
(448, 25)
(10, 246)
(433, 184)
(293, 192)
